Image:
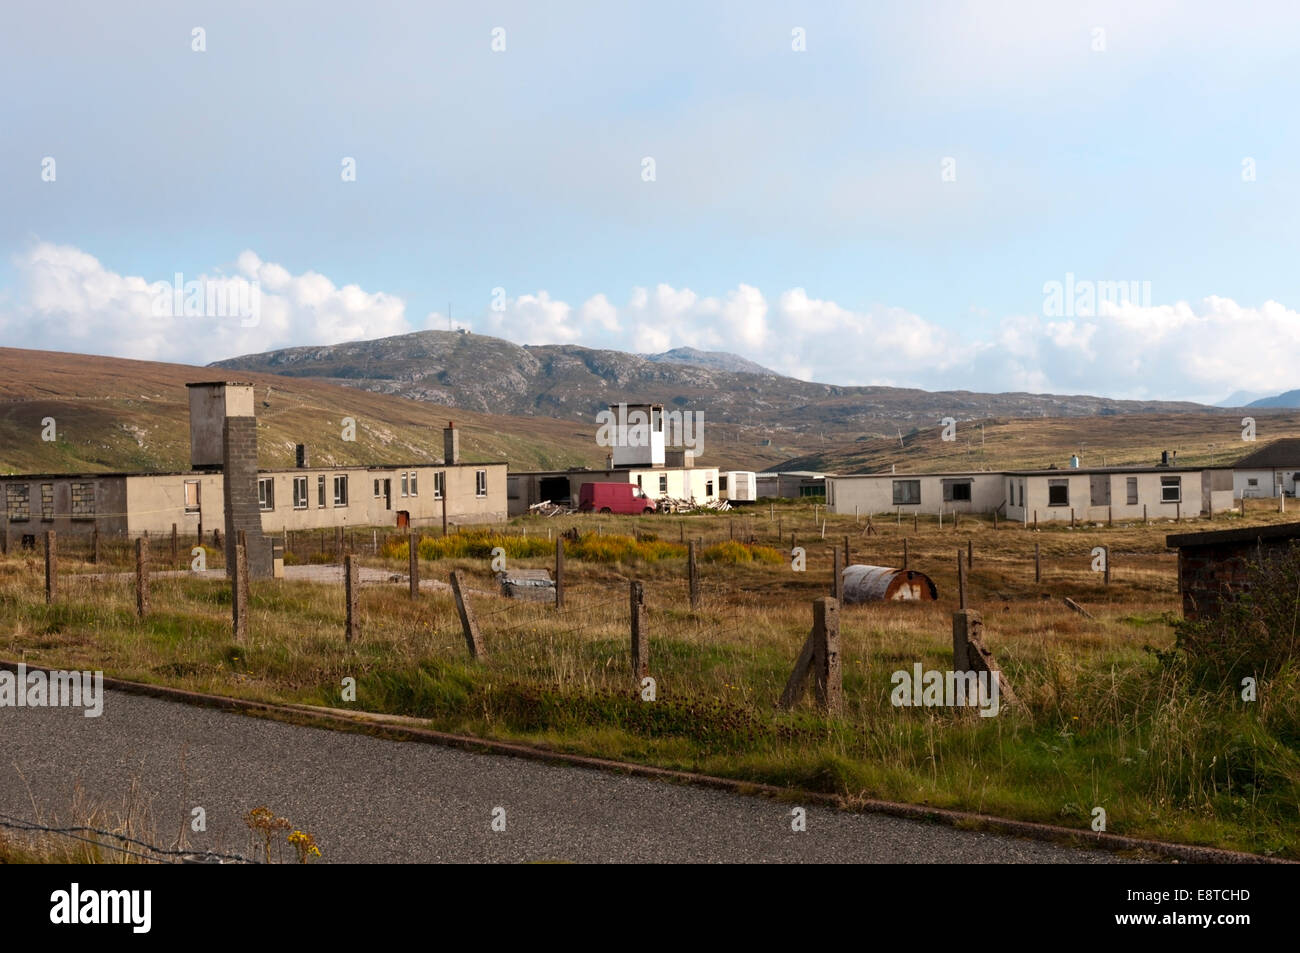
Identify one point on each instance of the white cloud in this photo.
(70, 302)
(67, 300)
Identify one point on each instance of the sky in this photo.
(1055, 197)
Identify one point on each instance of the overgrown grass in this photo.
(1107, 716)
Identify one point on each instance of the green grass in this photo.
(1105, 719)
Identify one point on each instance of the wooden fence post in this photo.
(848, 560)
(239, 593)
(351, 587)
(820, 657)
(970, 554)
(640, 641)
(826, 656)
(176, 549)
(904, 552)
(1038, 564)
(413, 564)
(1106, 555)
(1072, 517)
(961, 582)
(141, 577)
(51, 567)
(559, 572)
(916, 523)
(837, 575)
(693, 575)
(472, 638)
(94, 544)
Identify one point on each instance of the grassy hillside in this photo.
(1007, 443)
(113, 414)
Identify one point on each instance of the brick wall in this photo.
(1215, 566)
(239, 472)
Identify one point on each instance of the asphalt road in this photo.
(371, 800)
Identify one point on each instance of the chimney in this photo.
(450, 444)
(1164, 458)
(300, 456)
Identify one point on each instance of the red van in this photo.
(613, 498)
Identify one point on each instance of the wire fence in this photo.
(149, 852)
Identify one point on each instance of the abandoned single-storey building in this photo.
(301, 497)
(1091, 494)
(1213, 566)
(1159, 492)
(790, 484)
(1271, 470)
(926, 493)
(634, 436)
(529, 487)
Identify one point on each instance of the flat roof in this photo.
(1245, 534)
(1058, 471)
(109, 474)
(220, 384)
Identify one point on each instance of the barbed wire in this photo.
(75, 832)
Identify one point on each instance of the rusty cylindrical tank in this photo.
(883, 584)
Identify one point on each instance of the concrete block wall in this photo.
(239, 452)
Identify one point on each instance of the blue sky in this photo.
(798, 213)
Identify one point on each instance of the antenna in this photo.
(449, 316)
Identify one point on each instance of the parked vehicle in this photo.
(624, 498)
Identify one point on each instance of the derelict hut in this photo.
(884, 584)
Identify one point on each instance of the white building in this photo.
(1269, 471)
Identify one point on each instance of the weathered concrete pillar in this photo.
(239, 479)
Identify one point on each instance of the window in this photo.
(439, 484)
(1171, 489)
(708, 488)
(1252, 482)
(266, 493)
(83, 501)
(722, 484)
(378, 494)
(405, 484)
(340, 491)
(956, 491)
(17, 499)
(638, 481)
(1131, 488)
(1058, 492)
(300, 493)
(320, 491)
(47, 502)
(480, 483)
(907, 492)
(663, 483)
(191, 496)
(414, 477)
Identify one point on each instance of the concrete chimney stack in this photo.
(223, 436)
(300, 456)
(451, 444)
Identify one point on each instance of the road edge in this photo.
(382, 726)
